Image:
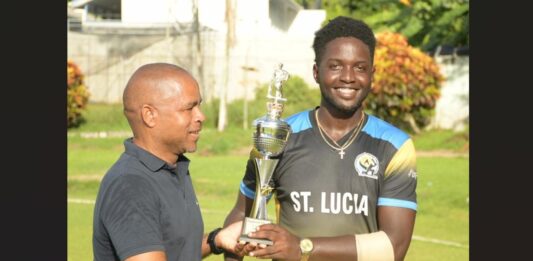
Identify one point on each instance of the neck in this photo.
(337, 126)
(339, 121)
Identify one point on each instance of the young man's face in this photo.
(344, 74)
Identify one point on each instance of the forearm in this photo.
(362, 247)
(398, 223)
(206, 250)
(333, 248)
(234, 216)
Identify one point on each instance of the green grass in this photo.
(213, 142)
(102, 117)
(92, 157)
(443, 209)
(442, 140)
(80, 232)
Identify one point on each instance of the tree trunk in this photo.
(199, 54)
(230, 22)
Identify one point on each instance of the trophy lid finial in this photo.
(278, 78)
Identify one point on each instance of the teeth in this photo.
(346, 89)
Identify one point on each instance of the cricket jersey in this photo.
(318, 193)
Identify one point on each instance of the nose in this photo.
(200, 116)
(347, 75)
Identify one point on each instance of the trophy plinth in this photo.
(269, 138)
(250, 225)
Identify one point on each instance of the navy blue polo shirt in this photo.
(143, 205)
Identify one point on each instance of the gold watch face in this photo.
(306, 245)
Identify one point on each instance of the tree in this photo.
(426, 23)
(406, 84)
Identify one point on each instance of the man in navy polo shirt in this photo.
(146, 208)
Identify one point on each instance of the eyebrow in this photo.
(340, 60)
(193, 103)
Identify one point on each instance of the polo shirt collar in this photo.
(151, 161)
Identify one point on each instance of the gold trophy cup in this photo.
(270, 137)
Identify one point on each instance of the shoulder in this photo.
(127, 175)
(124, 190)
(380, 129)
(299, 121)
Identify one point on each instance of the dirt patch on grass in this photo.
(86, 178)
(441, 153)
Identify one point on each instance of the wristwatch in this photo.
(306, 246)
(211, 242)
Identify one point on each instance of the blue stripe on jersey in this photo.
(299, 121)
(380, 129)
(391, 202)
(246, 191)
(250, 193)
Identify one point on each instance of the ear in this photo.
(315, 72)
(149, 115)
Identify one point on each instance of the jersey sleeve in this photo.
(248, 182)
(130, 214)
(399, 189)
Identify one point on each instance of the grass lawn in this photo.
(443, 210)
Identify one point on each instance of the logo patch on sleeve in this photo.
(367, 165)
(412, 173)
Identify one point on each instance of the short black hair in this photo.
(342, 26)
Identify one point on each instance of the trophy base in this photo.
(250, 225)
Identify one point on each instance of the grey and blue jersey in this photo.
(319, 194)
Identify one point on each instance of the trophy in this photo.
(269, 139)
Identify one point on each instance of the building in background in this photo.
(453, 107)
(109, 39)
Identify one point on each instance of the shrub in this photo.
(210, 109)
(299, 97)
(77, 95)
(406, 83)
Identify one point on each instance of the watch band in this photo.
(211, 241)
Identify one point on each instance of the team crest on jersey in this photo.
(367, 165)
